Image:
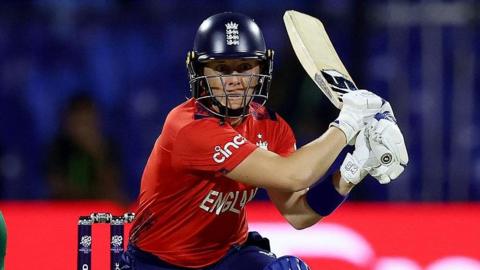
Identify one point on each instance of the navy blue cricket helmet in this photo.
(225, 36)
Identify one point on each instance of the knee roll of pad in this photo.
(287, 263)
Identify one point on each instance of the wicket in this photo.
(84, 255)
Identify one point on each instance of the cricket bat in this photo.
(317, 55)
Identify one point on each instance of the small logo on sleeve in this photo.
(224, 152)
(261, 143)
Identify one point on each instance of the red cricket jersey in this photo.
(189, 213)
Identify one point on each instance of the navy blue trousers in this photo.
(253, 255)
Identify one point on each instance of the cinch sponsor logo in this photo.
(222, 153)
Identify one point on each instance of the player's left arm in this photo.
(295, 208)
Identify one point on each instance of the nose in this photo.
(233, 81)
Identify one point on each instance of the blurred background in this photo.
(85, 87)
(126, 61)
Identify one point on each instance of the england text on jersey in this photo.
(234, 201)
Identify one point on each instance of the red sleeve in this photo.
(286, 143)
(207, 146)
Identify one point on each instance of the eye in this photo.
(244, 66)
(222, 68)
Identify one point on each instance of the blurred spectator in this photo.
(82, 163)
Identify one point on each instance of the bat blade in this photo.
(317, 55)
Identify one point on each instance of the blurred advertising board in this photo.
(366, 236)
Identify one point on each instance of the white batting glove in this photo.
(356, 166)
(387, 148)
(387, 112)
(384, 162)
(358, 108)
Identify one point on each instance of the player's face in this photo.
(236, 84)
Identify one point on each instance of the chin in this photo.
(235, 107)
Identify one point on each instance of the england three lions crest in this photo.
(231, 34)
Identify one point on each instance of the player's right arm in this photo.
(296, 172)
(304, 167)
